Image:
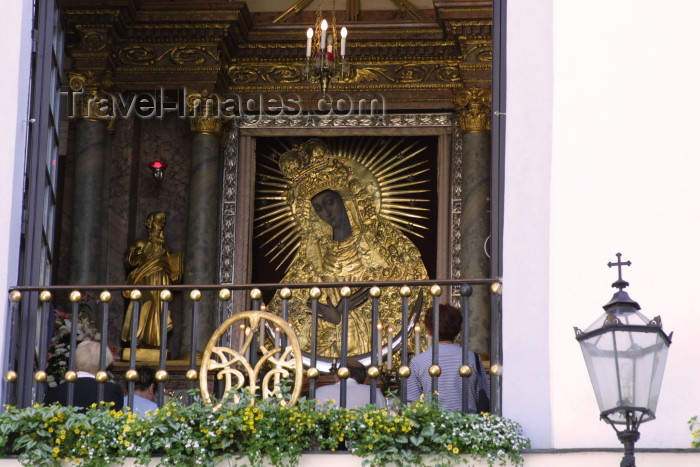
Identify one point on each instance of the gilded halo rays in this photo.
(390, 161)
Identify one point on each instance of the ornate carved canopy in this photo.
(416, 53)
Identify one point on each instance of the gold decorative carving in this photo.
(385, 44)
(202, 112)
(210, 125)
(92, 39)
(266, 74)
(473, 109)
(178, 55)
(405, 73)
(91, 103)
(90, 81)
(475, 51)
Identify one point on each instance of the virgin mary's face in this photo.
(330, 208)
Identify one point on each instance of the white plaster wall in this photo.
(526, 392)
(625, 176)
(15, 37)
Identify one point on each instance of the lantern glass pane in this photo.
(626, 369)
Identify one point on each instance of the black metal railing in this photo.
(29, 327)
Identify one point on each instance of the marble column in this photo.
(473, 111)
(106, 193)
(201, 255)
(91, 155)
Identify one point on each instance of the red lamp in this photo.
(158, 167)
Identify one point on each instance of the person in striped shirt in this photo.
(449, 384)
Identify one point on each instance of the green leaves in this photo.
(257, 432)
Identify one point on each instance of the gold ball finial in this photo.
(11, 376)
(496, 288)
(135, 294)
(166, 295)
(105, 296)
(436, 290)
(343, 372)
(15, 296)
(345, 291)
(375, 292)
(373, 372)
(225, 294)
(313, 373)
(255, 294)
(191, 374)
(74, 296)
(45, 296)
(196, 295)
(404, 371)
(40, 376)
(315, 292)
(70, 376)
(465, 370)
(162, 376)
(131, 375)
(496, 369)
(405, 291)
(285, 293)
(101, 377)
(434, 370)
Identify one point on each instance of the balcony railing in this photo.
(29, 332)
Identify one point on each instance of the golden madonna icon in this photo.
(339, 214)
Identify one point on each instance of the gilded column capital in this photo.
(90, 100)
(90, 81)
(203, 108)
(210, 125)
(473, 107)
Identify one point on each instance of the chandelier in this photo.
(323, 63)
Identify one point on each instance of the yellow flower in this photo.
(455, 450)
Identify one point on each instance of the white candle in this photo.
(309, 36)
(416, 333)
(343, 35)
(324, 27)
(379, 344)
(278, 337)
(390, 345)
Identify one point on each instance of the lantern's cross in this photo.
(619, 283)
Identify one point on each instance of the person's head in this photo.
(450, 322)
(329, 206)
(145, 385)
(87, 357)
(358, 372)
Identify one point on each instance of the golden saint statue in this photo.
(334, 209)
(150, 262)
